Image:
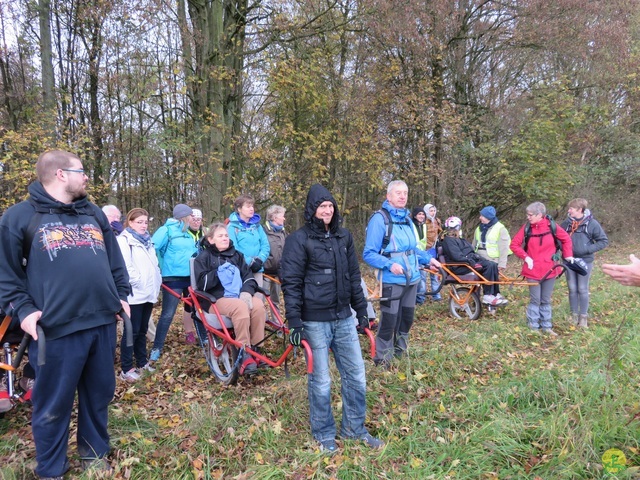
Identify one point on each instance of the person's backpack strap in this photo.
(553, 227)
(388, 225)
(30, 234)
(388, 228)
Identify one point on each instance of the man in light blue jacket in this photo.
(391, 247)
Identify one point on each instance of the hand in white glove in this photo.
(529, 262)
(246, 298)
(569, 259)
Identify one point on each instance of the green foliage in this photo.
(537, 160)
(17, 161)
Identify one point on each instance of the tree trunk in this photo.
(46, 63)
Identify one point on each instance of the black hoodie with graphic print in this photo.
(319, 268)
(75, 272)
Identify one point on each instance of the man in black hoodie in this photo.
(321, 282)
(63, 271)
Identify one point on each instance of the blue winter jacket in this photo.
(403, 239)
(249, 238)
(174, 248)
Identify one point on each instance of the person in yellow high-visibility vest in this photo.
(491, 239)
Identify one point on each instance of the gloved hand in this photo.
(295, 336)
(529, 262)
(256, 265)
(363, 322)
(247, 298)
(568, 259)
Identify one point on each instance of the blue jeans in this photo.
(140, 315)
(422, 288)
(435, 283)
(169, 307)
(341, 337)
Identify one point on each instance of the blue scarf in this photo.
(484, 228)
(276, 228)
(230, 279)
(144, 239)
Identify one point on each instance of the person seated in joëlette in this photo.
(222, 271)
(458, 250)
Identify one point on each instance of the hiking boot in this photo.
(155, 355)
(26, 384)
(328, 446)
(130, 376)
(248, 365)
(61, 477)
(372, 441)
(5, 401)
(575, 318)
(582, 321)
(190, 338)
(382, 364)
(97, 467)
(548, 331)
(147, 368)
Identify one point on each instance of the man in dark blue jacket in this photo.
(63, 271)
(321, 282)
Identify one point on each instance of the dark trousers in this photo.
(490, 272)
(396, 320)
(140, 315)
(81, 361)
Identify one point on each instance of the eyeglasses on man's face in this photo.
(73, 170)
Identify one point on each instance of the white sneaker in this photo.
(130, 376)
(147, 368)
(489, 299)
(501, 300)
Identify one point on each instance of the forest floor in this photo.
(487, 399)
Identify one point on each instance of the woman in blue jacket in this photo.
(174, 247)
(248, 236)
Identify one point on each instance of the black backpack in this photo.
(553, 228)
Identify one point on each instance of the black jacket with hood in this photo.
(75, 272)
(319, 268)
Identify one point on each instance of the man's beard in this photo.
(77, 193)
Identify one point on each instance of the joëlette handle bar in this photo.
(440, 285)
(42, 348)
(128, 328)
(406, 285)
(557, 265)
